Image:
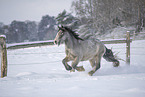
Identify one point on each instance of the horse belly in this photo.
(88, 56)
(85, 58)
(91, 49)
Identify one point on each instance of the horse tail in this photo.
(108, 56)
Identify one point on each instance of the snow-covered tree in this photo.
(46, 28)
(67, 19)
(104, 15)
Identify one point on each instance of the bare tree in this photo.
(104, 15)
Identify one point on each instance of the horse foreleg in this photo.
(64, 61)
(74, 65)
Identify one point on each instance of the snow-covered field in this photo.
(38, 72)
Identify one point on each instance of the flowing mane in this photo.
(73, 33)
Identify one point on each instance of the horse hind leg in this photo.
(96, 65)
(80, 68)
(95, 68)
(92, 62)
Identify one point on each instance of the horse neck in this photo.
(71, 41)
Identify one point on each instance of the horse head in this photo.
(61, 36)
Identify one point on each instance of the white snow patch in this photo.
(134, 90)
(35, 72)
(47, 26)
(23, 74)
(24, 43)
(3, 36)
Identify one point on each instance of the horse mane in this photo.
(73, 33)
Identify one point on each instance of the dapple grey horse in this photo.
(78, 49)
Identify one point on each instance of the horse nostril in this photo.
(55, 42)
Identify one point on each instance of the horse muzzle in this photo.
(57, 42)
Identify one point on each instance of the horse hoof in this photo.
(80, 68)
(68, 68)
(91, 73)
(72, 70)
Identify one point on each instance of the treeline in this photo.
(21, 31)
(46, 29)
(92, 17)
(101, 16)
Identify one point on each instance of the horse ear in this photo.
(62, 26)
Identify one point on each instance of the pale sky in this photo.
(32, 10)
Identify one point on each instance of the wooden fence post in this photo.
(128, 47)
(3, 56)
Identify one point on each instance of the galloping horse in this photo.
(78, 49)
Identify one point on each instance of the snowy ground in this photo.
(38, 72)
